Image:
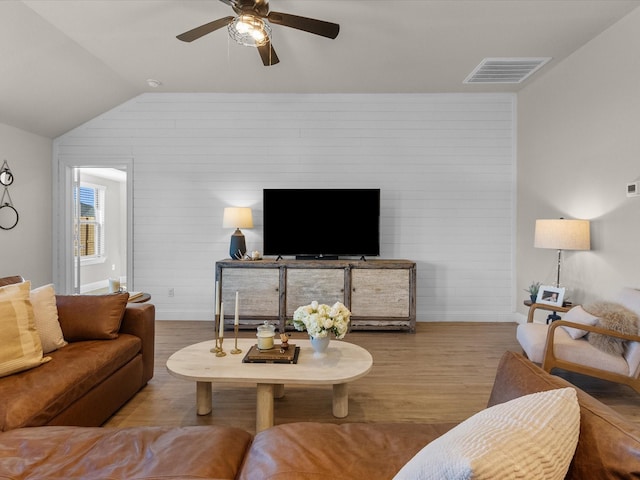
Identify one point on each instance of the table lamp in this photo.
(237, 217)
(562, 234)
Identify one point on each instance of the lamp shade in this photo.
(237, 217)
(562, 234)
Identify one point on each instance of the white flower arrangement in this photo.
(319, 319)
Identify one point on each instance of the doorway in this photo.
(93, 237)
(100, 230)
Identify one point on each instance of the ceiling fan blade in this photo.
(268, 54)
(311, 25)
(202, 30)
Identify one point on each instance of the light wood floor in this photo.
(443, 373)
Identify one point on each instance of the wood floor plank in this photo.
(442, 373)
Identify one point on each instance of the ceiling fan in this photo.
(251, 27)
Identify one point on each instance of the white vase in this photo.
(320, 345)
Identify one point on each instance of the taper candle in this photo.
(217, 299)
(221, 331)
(237, 318)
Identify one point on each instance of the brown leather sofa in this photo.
(90, 378)
(608, 447)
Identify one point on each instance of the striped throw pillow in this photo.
(20, 346)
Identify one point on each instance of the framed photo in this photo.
(550, 295)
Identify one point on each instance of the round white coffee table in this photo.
(344, 363)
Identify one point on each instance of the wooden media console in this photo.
(381, 294)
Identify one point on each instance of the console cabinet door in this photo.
(380, 292)
(305, 285)
(258, 290)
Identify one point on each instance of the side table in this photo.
(140, 298)
(542, 306)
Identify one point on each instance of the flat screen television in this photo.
(321, 223)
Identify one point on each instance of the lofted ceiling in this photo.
(67, 61)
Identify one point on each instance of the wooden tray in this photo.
(290, 355)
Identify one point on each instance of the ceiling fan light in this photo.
(249, 31)
(242, 27)
(258, 36)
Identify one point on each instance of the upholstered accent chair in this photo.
(565, 344)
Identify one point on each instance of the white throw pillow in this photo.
(578, 315)
(45, 313)
(531, 437)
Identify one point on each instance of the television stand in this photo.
(316, 257)
(381, 294)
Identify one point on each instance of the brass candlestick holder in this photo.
(221, 352)
(216, 326)
(236, 350)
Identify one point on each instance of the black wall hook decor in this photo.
(8, 214)
(6, 177)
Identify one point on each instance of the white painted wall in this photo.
(26, 249)
(444, 164)
(578, 146)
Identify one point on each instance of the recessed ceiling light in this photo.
(153, 83)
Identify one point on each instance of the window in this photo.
(89, 239)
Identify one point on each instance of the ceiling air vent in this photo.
(505, 70)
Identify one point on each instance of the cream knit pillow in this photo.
(20, 347)
(531, 437)
(45, 312)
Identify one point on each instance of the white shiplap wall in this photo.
(445, 165)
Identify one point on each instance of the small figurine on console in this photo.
(284, 338)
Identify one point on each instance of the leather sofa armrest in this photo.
(516, 376)
(11, 280)
(140, 320)
(609, 445)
